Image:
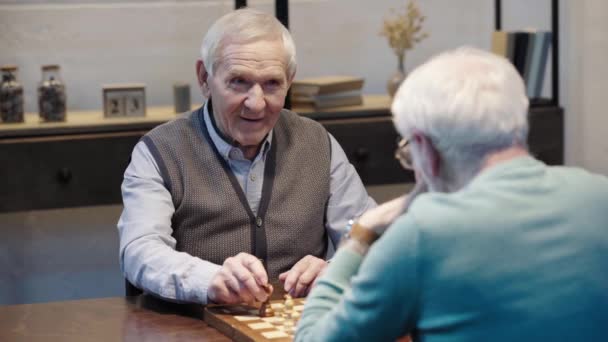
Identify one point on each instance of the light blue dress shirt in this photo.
(147, 248)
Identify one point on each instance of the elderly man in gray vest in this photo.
(226, 198)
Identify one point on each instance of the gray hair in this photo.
(469, 103)
(246, 25)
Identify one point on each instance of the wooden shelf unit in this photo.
(81, 162)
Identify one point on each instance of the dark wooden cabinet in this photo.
(87, 169)
(369, 144)
(65, 171)
(82, 165)
(546, 136)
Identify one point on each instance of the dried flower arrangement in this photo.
(404, 30)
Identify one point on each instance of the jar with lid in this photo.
(51, 95)
(11, 95)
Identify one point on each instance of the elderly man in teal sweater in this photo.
(492, 244)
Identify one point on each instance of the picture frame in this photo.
(124, 100)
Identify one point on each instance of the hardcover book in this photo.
(532, 41)
(326, 85)
(348, 98)
(521, 49)
(538, 64)
(499, 43)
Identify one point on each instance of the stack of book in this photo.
(528, 51)
(327, 92)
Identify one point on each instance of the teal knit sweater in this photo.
(520, 254)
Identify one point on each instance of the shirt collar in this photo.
(225, 148)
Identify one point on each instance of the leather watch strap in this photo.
(363, 234)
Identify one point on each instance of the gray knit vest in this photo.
(212, 219)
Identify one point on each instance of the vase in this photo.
(397, 78)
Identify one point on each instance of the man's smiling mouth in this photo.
(251, 120)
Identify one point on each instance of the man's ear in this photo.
(291, 78)
(431, 159)
(203, 78)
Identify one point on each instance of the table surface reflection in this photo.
(141, 318)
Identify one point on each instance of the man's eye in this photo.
(238, 81)
(272, 84)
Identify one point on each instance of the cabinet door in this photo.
(369, 144)
(63, 171)
(546, 136)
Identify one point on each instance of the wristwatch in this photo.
(360, 233)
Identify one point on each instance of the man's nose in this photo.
(255, 98)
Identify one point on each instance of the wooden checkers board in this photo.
(242, 323)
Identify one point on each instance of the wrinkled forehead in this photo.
(253, 53)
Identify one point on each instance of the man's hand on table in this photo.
(299, 279)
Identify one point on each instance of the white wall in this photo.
(585, 83)
(156, 42)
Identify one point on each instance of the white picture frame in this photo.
(124, 100)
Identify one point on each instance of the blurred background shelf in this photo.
(81, 162)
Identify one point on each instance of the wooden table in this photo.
(141, 318)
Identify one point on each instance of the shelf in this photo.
(93, 121)
(554, 46)
(86, 121)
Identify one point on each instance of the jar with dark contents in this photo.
(51, 95)
(11, 95)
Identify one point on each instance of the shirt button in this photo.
(258, 222)
(252, 177)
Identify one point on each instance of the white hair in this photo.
(469, 103)
(246, 25)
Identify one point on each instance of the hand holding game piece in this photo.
(265, 308)
(238, 281)
(299, 279)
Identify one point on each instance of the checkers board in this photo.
(241, 323)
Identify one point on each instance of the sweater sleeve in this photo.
(367, 299)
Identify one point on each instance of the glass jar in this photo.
(51, 95)
(11, 95)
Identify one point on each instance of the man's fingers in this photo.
(302, 274)
(220, 293)
(230, 280)
(255, 267)
(308, 276)
(291, 278)
(294, 274)
(240, 279)
(245, 278)
(253, 276)
(245, 294)
(299, 289)
(249, 285)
